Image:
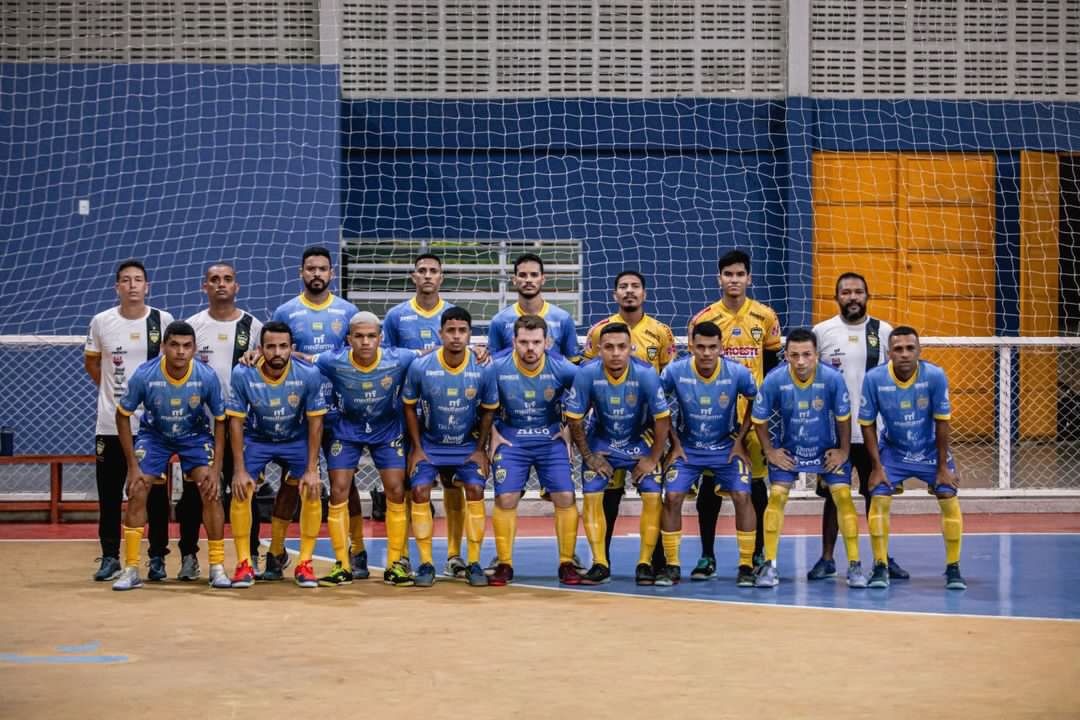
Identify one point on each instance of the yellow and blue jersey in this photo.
(175, 410)
(707, 418)
(316, 328)
(908, 410)
(808, 411)
(368, 397)
(410, 326)
(530, 402)
(561, 330)
(450, 399)
(623, 407)
(650, 340)
(747, 333)
(276, 411)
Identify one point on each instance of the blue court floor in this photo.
(1008, 575)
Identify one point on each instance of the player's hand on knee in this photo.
(781, 458)
(877, 477)
(209, 484)
(644, 466)
(310, 484)
(481, 459)
(947, 478)
(497, 441)
(597, 462)
(835, 459)
(416, 456)
(738, 450)
(137, 482)
(243, 485)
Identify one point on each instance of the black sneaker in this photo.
(156, 573)
(705, 569)
(359, 565)
(745, 578)
(953, 579)
(880, 577)
(397, 575)
(274, 569)
(338, 576)
(670, 575)
(644, 575)
(598, 575)
(110, 569)
(896, 572)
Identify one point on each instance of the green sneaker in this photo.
(397, 575)
(338, 576)
(704, 570)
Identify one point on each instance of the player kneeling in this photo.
(275, 411)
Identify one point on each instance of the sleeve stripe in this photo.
(489, 406)
(219, 418)
(943, 417)
(408, 401)
(316, 413)
(659, 416)
(92, 353)
(573, 415)
(842, 418)
(758, 421)
(236, 413)
(866, 423)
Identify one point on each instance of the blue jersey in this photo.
(808, 411)
(908, 410)
(707, 417)
(276, 410)
(623, 407)
(368, 397)
(317, 328)
(450, 398)
(561, 331)
(530, 403)
(410, 326)
(175, 409)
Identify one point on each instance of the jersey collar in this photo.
(271, 381)
(313, 306)
(453, 371)
(910, 381)
(543, 310)
(366, 368)
(170, 379)
(801, 385)
(530, 373)
(716, 373)
(621, 379)
(427, 313)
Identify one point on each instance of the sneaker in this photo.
(568, 574)
(338, 576)
(243, 576)
(275, 567)
(504, 575)
(219, 578)
(189, 568)
(359, 565)
(406, 563)
(489, 569)
(255, 563)
(856, 578)
(579, 566)
(953, 579)
(397, 575)
(896, 572)
(704, 570)
(304, 575)
(822, 569)
(455, 568)
(425, 575)
(110, 569)
(759, 558)
(477, 576)
(766, 576)
(670, 575)
(129, 579)
(879, 577)
(745, 577)
(156, 573)
(597, 575)
(644, 575)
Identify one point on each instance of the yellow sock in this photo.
(408, 524)
(879, 527)
(474, 528)
(745, 539)
(310, 522)
(505, 524)
(847, 519)
(422, 526)
(397, 528)
(337, 522)
(215, 551)
(356, 533)
(774, 519)
(952, 527)
(240, 527)
(454, 505)
(672, 540)
(566, 522)
(132, 545)
(595, 526)
(649, 526)
(278, 529)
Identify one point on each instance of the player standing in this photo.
(529, 282)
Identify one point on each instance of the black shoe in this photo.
(644, 575)
(598, 575)
(378, 506)
(110, 569)
(359, 565)
(670, 575)
(953, 579)
(745, 578)
(880, 577)
(896, 572)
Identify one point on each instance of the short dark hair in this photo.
(635, 273)
(455, 313)
(530, 322)
(427, 256)
(851, 276)
(801, 335)
(706, 329)
(528, 257)
(130, 263)
(178, 328)
(615, 329)
(316, 251)
(275, 326)
(219, 263)
(733, 257)
(903, 330)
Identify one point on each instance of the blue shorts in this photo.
(726, 476)
(511, 466)
(897, 471)
(621, 459)
(447, 458)
(843, 477)
(153, 452)
(290, 454)
(344, 447)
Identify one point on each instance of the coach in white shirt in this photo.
(851, 342)
(223, 333)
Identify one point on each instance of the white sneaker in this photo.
(455, 568)
(129, 579)
(189, 568)
(856, 578)
(219, 578)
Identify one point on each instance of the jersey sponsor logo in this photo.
(134, 336)
(706, 400)
(530, 394)
(615, 400)
(736, 332)
(386, 382)
(175, 402)
(819, 403)
(803, 405)
(316, 326)
(367, 385)
(425, 334)
(294, 400)
(451, 392)
(757, 333)
(741, 353)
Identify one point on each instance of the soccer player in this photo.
(709, 435)
(850, 342)
(176, 392)
(367, 382)
(531, 383)
(120, 339)
(814, 437)
(912, 398)
(458, 398)
(651, 341)
(752, 337)
(275, 414)
(529, 282)
(223, 333)
(627, 402)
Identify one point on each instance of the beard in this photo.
(853, 311)
(315, 286)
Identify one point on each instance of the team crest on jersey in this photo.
(724, 399)
(99, 447)
(294, 400)
(193, 401)
(631, 399)
(549, 394)
(651, 352)
(470, 392)
(335, 448)
(386, 382)
(923, 402)
(872, 339)
(242, 338)
(154, 336)
(336, 326)
(819, 403)
(757, 333)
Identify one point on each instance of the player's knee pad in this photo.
(778, 495)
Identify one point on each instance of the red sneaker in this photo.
(503, 575)
(568, 574)
(305, 576)
(243, 576)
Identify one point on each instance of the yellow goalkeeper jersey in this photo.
(747, 333)
(651, 339)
